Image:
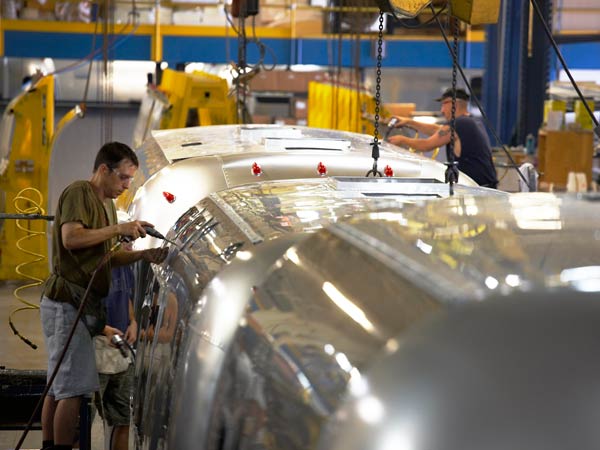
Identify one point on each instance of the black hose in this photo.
(64, 351)
(26, 216)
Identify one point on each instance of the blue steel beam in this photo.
(501, 80)
(536, 60)
(517, 71)
(176, 49)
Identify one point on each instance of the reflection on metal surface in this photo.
(425, 248)
(491, 283)
(493, 373)
(513, 280)
(244, 255)
(537, 212)
(342, 302)
(257, 133)
(292, 255)
(584, 279)
(389, 217)
(370, 409)
(392, 345)
(307, 144)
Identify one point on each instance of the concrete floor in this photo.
(14, 354)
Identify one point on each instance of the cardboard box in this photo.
(309, 27)
(561, 152)
(262, 119)
(300, 108)
(294, 81)
(265, 81)
(400, 109)
(285, 121)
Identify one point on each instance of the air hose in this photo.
(84, 299)
(23, 210)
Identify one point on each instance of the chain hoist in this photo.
(375, 151)
(451, 163)
(241, 87)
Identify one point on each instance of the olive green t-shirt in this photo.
(79, 203)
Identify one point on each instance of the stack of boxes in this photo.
(281, 96)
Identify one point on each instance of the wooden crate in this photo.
(561, 152)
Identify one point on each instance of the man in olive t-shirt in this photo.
(85, 229)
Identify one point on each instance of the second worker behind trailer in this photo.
(472, 146)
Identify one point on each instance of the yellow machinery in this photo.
(26, 129)
(183, 100)
(340, 108)
(474, 12)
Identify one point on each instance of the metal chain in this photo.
(451, 164)
(375, 144)
(378, 79)
(454, 80)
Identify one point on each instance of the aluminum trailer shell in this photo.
(283, 360)
(227, 226)
(193, 162)
(518, 372)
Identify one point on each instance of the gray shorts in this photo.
(77, 375)
(113, 401)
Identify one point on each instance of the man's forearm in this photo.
(123, 258)
(419, 145)
(424, 128)
(88, 237)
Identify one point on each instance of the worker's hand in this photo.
(155, 255)
(131, 332)
(109, 332)
(134, 229)
(399, 121)
(398, 140)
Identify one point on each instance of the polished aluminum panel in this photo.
(225, 227)
(271, 359)
(521, 241)
(193, 162)
(225, 139)
(519, 372)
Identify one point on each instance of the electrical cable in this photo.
(480, 108)
(428, 22)
(262, 48)
(34, 209)
(114, 43)
(89, 74)
(546, 28)
(83, 302)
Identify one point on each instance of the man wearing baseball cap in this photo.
(472, 145)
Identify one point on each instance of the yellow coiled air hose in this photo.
(32, 207)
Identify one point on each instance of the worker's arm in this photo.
(109, 332)
(152, 255)
(428, 129)
(439, 139)
(75, 235)
(131, 332)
